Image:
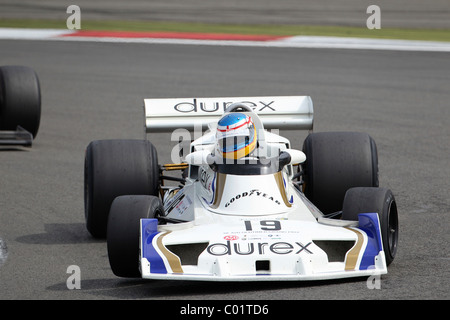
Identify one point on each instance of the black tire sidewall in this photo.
(114, 168)
(336, 162)
(123, 231)
(381, 201)
(20, 99)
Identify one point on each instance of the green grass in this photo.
(281, 30)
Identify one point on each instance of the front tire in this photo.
(123, 231)
(382, 201)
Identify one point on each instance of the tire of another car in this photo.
(20, 99)
(123, 231)
(381, 201)
(114, 168)
(336, 162)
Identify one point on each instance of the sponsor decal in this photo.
(178, 204)
(232, 237)
(258, 248)
(260, 237)
(254, 192)
(205, 178)
(198, 106)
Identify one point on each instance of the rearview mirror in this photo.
(296, 156)
(198, 158)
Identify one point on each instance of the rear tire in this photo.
(123, 231)
(114, 168)
(381, 201)
(20, 99)
(336, 162)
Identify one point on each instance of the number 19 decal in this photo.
(266, 225)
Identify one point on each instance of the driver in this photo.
(236, 136)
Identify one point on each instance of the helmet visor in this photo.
(230, 144)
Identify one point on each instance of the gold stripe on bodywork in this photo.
(174, 260)
(352, 255)
(220, 184)
(280, 183)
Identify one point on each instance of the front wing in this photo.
(261, 250)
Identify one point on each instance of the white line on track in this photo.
(287, 42)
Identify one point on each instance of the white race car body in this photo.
(250, 222)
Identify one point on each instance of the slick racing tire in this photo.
(336, 162)
(123, 231)
(20, 99)
(382, 201)
(114, 168)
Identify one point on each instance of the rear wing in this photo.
(20, 137)
(282, 112)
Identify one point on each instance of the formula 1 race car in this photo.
(246, 207)
(20, 105)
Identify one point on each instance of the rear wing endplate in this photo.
(279, 112)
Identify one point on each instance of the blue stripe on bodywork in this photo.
(149, 231)
(369, 223)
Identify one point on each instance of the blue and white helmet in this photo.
(236, 135)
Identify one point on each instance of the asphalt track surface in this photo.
(95, 91)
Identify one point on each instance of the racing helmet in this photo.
(236, 135)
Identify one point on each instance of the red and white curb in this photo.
(224, 39)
